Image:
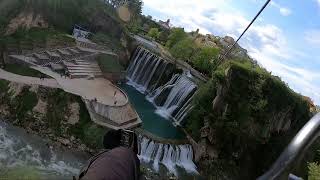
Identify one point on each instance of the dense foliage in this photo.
(183, 49)
(257, 114)
(314, 171)
(109, 64)
(183, 46)
(176, 35)
(154, 33)
(205, 59)
(24, 40)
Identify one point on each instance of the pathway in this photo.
(28, 80)
(101, 89)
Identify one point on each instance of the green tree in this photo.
(135, 7)
(314, 171)
(204, 59)
(154, 33)
(183, 49)
(163, 37)
(176, 35)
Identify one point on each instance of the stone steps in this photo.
(84, 71)
(71, 66)
(85, 75)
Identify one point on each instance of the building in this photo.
(165, 24)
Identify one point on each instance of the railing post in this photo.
(294, 151)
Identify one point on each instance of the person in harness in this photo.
(118, 162)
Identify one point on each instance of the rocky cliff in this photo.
(50, 113)
(242, 120)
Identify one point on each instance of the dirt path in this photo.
(28, 80)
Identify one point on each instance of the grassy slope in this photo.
(24, 71)
(109, 64)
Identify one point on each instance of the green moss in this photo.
(3, 86)
(57, 109)
(106, 40)
(20, 173)
(86, 130)
(109, 63)
(37, 37)
(93, 135)
(24, 103)
(203, 103)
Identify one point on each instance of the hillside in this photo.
(243, 116)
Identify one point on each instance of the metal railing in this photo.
(294, 151)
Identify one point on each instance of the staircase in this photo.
(77, 62)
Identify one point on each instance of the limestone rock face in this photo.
(26, 20)
(74, 110)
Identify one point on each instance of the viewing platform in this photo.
(107, 105)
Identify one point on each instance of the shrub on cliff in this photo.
(176, 35)
(21, 173)
(154, 33)
(250, 113)
(314, 171)
(204, 59)
(183, 49)
(64, 14)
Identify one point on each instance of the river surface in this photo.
(151, 121)
(19, 149)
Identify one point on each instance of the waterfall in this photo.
(170, 156)
(175, 105)
(170, 93)
(142, 68)
(19, 149)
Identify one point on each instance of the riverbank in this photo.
(50, 113)
(28, 156)
(59, 118)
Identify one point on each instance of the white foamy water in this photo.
(170, 156)
(19, 149)
(178, 91)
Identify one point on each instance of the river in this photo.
(22, 150)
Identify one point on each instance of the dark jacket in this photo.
(117, 164)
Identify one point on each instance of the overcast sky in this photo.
(285, 39)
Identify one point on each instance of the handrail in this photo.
(294, 151)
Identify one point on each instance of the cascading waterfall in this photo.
(16, 152)
(177, 103)
(172, 94)
(142, 68)
(173, 99)
(171, 156)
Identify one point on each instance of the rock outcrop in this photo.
(47, 112)
(251, 113)
(26, 20)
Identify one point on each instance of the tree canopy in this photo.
(183, 49)
(204, 59)
(176, 35)
(154, 33)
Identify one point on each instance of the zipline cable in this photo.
(221, 58)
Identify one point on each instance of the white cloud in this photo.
(318, 1)
(298, 78)
(284, 11)
(312, 37)
(266, 43)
